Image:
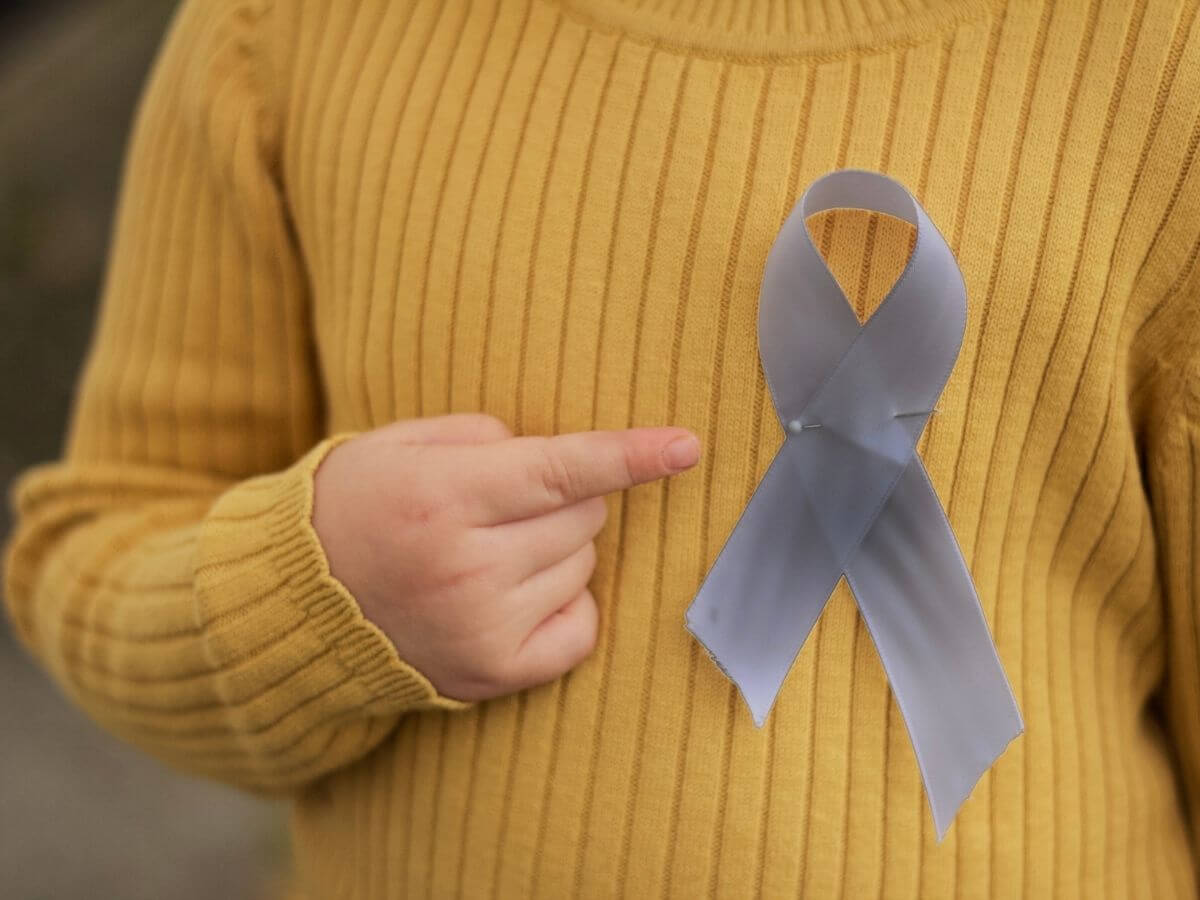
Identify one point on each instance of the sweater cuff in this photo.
(260, 549)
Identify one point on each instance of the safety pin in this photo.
(796, 426)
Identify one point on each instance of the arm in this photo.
(1170, 439)
(165, 570)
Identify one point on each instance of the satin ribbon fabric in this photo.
(847, 494)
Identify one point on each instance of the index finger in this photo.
(533, 474)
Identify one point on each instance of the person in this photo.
(425, 390)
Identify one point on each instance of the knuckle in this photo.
(483, 671)
(588, 632)
(424, 509)
(556, 478)
(588, 562)
(490, 426)
(457, 564)
(495, 671)
(424, 504)
(465, 570)
(598, 508)
(629, 462)
(430, 500)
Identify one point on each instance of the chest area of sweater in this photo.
(505, 211)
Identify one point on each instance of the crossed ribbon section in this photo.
(847, 494)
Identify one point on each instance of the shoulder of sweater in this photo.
(1163, 210)
(214, 70)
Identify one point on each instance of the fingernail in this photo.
(682, 452)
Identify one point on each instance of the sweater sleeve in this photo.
(165, 570)
(1170, 444)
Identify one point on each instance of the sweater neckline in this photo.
(774, 29)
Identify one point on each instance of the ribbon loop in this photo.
(847, 494)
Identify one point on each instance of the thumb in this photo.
(453, 428)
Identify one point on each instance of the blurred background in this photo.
(81, 814)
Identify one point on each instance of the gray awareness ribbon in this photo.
(847, 493)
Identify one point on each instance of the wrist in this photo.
(259, 550)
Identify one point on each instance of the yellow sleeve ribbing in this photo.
(165, 570)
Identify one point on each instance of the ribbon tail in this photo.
(768, 585)
(915, 593)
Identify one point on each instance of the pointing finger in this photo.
(532, 475)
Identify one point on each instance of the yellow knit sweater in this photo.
(337, 214)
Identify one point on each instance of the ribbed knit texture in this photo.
(337, 214)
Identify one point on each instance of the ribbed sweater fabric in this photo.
(337, 214)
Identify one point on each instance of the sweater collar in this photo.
(766, 29)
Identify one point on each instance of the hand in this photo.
(471, 549)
